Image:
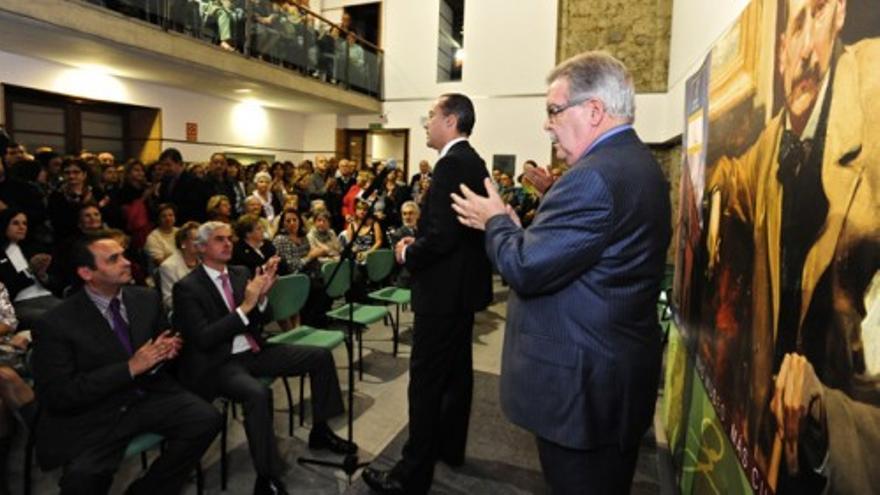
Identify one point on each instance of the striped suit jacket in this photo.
(581, 358)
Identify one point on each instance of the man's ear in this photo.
(84, 273)
(451, 121)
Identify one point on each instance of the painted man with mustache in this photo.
(809, 189)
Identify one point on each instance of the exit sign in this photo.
(192, 132)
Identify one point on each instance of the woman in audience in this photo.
(293, 246)
(134, 200)
(298, 256)
(160, 242)
(291, 202)
(280, 184)
(252, 206)
(252, 249)
(368, 238)
(269, 201)
(64, 203)
(24, 270)
(322, 236)
(235, 177)
(15, 395)
(349, 201)
(395, 194)
(179, 264)
(219, 209)
(89, 219)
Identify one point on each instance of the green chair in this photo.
(138, 445)
(380, 263)
(362, 314)
(287, 297)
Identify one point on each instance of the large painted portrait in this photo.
(777, 281)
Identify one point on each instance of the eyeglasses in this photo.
(553, 111)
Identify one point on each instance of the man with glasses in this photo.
(581, 358)
(451, 280)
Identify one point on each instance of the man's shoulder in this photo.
(192, 278)
(70, 308)
(140, 292)
(462, 155)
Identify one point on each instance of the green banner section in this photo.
(705, 462)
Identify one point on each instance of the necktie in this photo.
(230, 301)
(793, 153)
(120, 327)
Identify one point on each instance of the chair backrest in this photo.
(379, 264)
(288, 295)
(341, 282)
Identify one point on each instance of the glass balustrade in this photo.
(284, 34)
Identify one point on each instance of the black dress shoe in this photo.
(324, 438)
(266, 485)
(382, 482)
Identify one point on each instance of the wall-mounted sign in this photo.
(192, 132)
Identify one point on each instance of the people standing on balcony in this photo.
(265, 37)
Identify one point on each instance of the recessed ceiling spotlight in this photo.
(244, 90)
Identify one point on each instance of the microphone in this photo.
(379, 181)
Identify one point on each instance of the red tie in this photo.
(230, 301)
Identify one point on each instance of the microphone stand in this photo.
(351, 462)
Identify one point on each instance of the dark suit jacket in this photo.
(208, 327)
(81, 371)
(581, 356)
(243, 254)
(450, 270)
(189, 193)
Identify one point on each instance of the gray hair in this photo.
(411, 204)
(207, 229)
(596, 74)
(262, 175)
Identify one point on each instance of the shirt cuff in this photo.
(403, 254)
(262, 305)
(244, 318)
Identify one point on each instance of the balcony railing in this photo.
(284, 34)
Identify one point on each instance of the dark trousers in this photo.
(188, 423)
(606, 469)
(441, 382)
(238, 379)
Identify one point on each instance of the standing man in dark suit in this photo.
(581, 358)
(183, 189)
(221, 310)
(97, 362)
(451, 280)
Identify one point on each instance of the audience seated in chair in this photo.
(220, 309)
(252, 250)
(16, 397)
(99, 377)
(179, 264)
(24, 269)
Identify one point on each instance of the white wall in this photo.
(509, 49)
(222, 124)
(696, 25)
